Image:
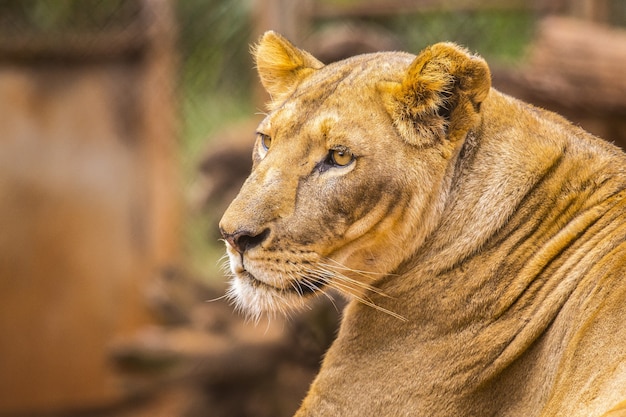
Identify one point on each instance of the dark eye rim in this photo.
(263, 137)
(328, 162)
(331, 156)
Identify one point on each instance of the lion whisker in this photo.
(337, 264)
(350, 287)
(224, 265)
(212, 300)
(382, 309)
(310, 285)
(306, 280)
(343, 287)
(295, 284)
(339, 276)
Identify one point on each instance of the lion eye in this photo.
(266, 141)
(341, 157)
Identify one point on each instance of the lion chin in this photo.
(480, 241)
(254, 298)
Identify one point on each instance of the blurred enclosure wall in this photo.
(126, 128)
(89, 193)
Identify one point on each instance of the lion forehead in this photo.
(351, 77)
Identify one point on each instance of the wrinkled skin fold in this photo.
(481, 241)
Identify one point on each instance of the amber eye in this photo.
(266, 141)
(341, 157)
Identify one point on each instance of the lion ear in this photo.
(440, 95)
(281, 65)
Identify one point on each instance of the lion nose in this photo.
(245, 240)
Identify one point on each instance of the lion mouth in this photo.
(298, 287)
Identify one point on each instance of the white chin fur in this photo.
(255, 301)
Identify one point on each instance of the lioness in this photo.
(481, 240)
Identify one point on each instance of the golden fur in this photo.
(482, 241)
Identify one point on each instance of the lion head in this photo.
(350, 169)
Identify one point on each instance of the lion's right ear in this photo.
(281, 65)
(440, 95)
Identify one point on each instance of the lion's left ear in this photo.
(440, 95)
(281, 65)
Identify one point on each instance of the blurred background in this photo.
(126, 128)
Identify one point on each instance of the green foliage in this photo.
(500, 36)
(496, 35)
(213, 41)
(216, 72)
(215, 83)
